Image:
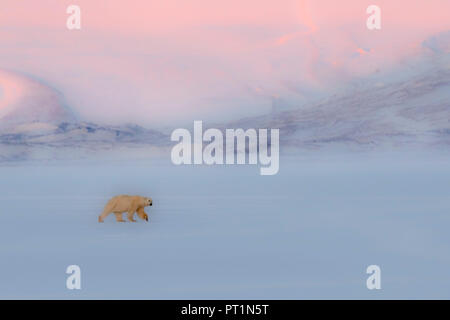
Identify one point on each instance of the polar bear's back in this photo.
(120, 203)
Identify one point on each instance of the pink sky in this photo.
(168, 61)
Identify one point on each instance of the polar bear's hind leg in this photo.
(119, 217)
(104, 214)
(107, 210)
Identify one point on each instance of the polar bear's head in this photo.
(148, 202)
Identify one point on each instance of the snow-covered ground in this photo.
(227, 232)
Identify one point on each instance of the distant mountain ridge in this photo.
(78, 134)
(44, 141)
(405, 108)
(412, 111)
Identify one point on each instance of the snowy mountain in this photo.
(407, 108)
(36, 124)
(24, 99)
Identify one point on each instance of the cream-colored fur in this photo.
(129, 204)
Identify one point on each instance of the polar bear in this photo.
(128, 204)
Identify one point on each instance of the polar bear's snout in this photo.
(149, 202)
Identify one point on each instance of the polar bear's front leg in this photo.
(119, 217)
(141, 214)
